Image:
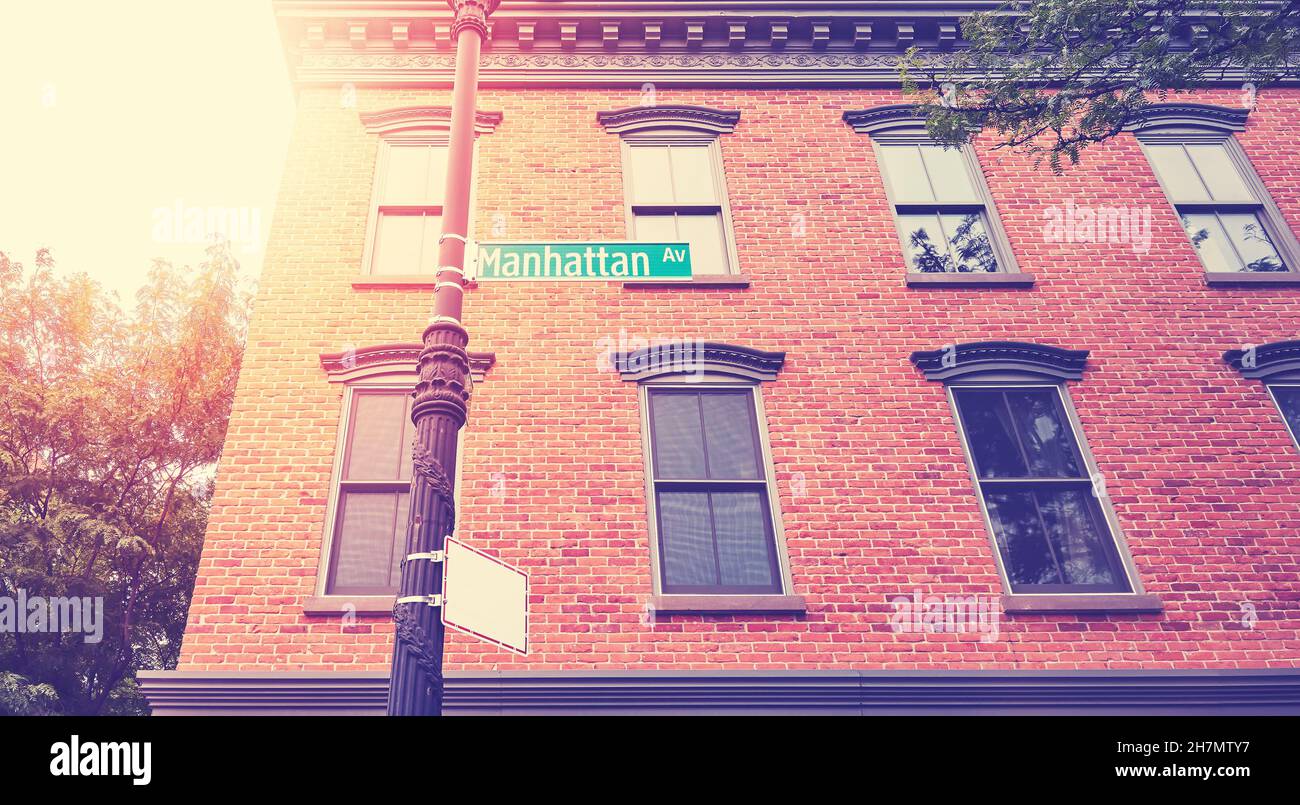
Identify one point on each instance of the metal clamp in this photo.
(452, 269)
(453, 236)
(448, 284)
(431, 600)
(432, 556)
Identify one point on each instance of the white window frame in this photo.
(1090, 466)
(1295, 433)
(383, 381)
(688, 138)
(1263, 206)
(704, 382)
(429, 137)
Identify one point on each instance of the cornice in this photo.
(633, 42)
(1268, 362)
(574, 43)
(356, 364)
(640, 118)
(630, 69)
(987, 358)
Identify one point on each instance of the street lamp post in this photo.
(441, 401)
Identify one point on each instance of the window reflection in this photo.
(1047, 521)
(1219, 207)
(1232, 242)
(949, 243)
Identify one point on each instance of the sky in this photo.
(126, 127)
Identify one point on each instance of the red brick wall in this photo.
(1203, 476)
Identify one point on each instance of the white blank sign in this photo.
(484, 597)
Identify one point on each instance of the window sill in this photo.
(1119, 602)
(938, 279)
(705, 281)
(1221, 278)
(412, 281)
(728, 605)
(349, 605)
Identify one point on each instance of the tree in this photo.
(110, 425)
(1052, 77)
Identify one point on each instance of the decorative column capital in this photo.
(445, 382)
(472, 14)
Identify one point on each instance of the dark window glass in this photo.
(730, 429)
(742, 560)
(686, 537)
(711, 496)
(370, 522)
(1047, 521)
(1050, 537)
(1288, 399)
(1047, 441)
(679, 436)
(947, 243)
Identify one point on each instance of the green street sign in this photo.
(583, 260)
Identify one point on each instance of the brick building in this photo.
(956, 433)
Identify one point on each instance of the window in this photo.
(1288, 400)
(675, 198)
(939, 214)
(714, 523)
(1037, 491)
(365, 522)
(944, 215)
(408, 207)
(1044, 502)
(1225, 209)
(710, 490)
(373, 491)
(674, 184)
(1277, 365)
(1218, 210)
(410, 179)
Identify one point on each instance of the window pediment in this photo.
(1001, 360)
(642, 119)
(1174, 118)
(352, 365)
(418, 118)
(894, 118)
(693, 357)
(1279, 360)
(895, 121)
